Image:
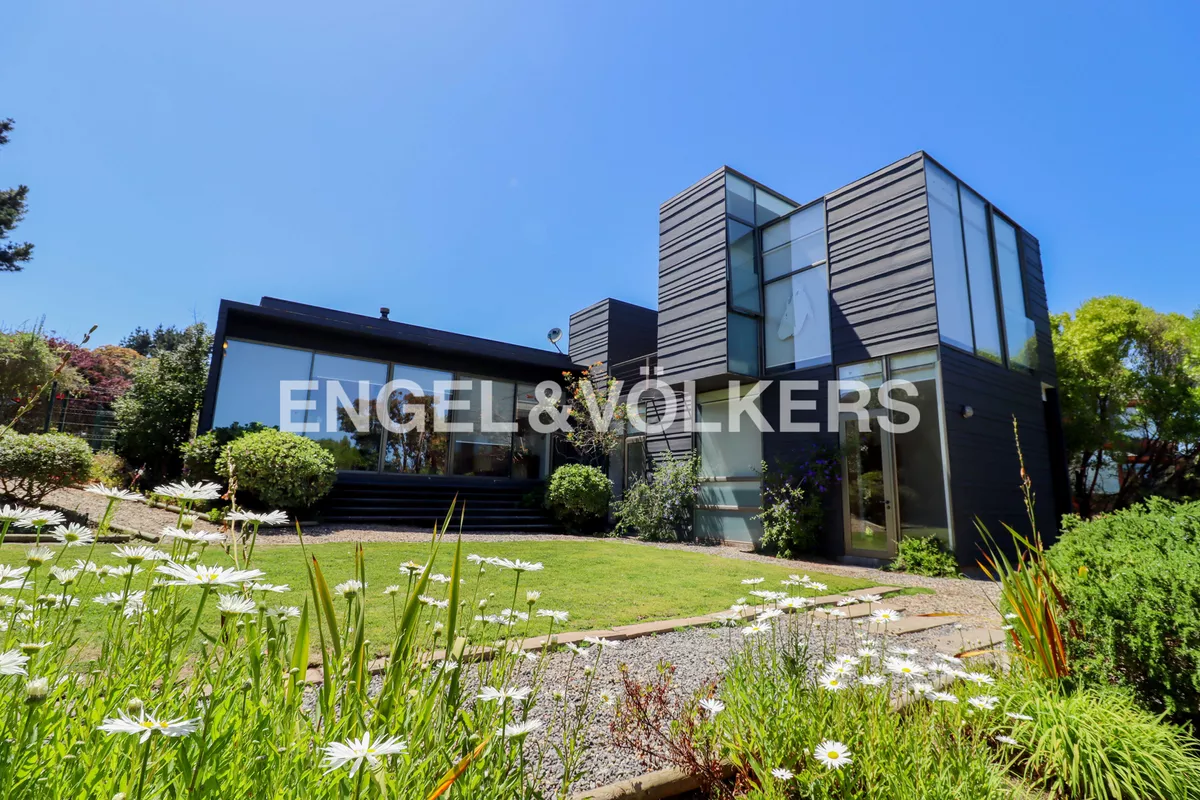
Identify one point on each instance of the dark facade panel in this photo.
(985, 476)
(611, 332)
(1036, 305)
(880, 264)
(587, 336)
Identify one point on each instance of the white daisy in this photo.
(832, 682)
(517, 565)
(756, 629)
(284, 612)
(769, 614)
(36, 556)
(943, 697)
(1008, 740)
(885, 615)
(1015, 715)
(752, 581)
(193, 536)
(235, 604)
(872, 680)
(12, 662)
(40, 518)
(13, 514)
(601, 642)
(980, 678)
(355, 751)
(277, 588)
(204, 490)
(834, 755)
(259, 518)
(904, 667)
(782, 774)
(532, 597)
(145, 725)
(984, 702)
(558, 616)
(515, 730)
(112, 493)
(712, 706)
(136, 555)
(504, 694)
(185, 575)
(73, 535)
(8, 573)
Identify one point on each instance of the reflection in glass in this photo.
(726, 453)
(739, 198)
(794, 243)
(863, 461)
(919, 478)
(421, 448)
(248, 391)
(481, 452)
(768, 206)
(743, 345)
(868, 372)
(635, 460)
(949, 261)
(797, 332)
(531, 455)
(979, 272)
(1018, 329)
(743, 267)
(354, 432)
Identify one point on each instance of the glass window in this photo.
(920, 480)
(743, 267)
(949, 261)
(979, 272)
(635, 460)
(421, 449)
(868, 372)
(743, 345)
(353, 433)
(1018, 329)
(739, 198)
(531, 449)
(480, 452)
(248, 391)
(768, 206)
(797, 320)
(726, 453)
(794, 243)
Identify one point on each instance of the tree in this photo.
(158, 412)
(160, 341)
(1129, 383)
(12, 211)
(28, 362)
(107, 370)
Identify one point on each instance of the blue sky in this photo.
(489, 168)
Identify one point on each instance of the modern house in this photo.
(907, 274)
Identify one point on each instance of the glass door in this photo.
(868, 493)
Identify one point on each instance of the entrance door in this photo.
(868, 478)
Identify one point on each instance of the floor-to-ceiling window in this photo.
(248, 391)
(731, 488)
(480, 451)
(350, 431)
(796, 288)
(418, 408)
(531, 449)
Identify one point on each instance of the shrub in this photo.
(578, 496)
(659, 507)
(1097, 743)
(200, 458)
(33, 465)
(283, 470)
(794, 504)
(108, 468)
(924, 555)
(1133, 594)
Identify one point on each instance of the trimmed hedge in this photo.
(283, 470)
(578, 496)
(1132, 581)
(34, 464)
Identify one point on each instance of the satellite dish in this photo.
(554, 335)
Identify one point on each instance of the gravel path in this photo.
(138, 516)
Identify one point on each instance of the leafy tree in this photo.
(12, 211)
(28, 362)
(162, 340)
(1129, 382)
(107, 370)
(157, 414)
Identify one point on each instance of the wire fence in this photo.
(93, 421)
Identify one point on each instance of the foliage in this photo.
(1129, 383)
(13, 256)
(1132, 582)
(596, 415)
(33, 465)
(162, 340)
(660, 506)
(283, 470)
(106, 371)
(924, 555)
(108, 468)
(1096, 742)
(578, 496)
(795, 498)
(1029, 591)
(28, 362)
(157, 414)
(200, 457)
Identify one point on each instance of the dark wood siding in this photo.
(880, 264)
(1036, 305)
(587, 336)
(692, 282)
(985, 475)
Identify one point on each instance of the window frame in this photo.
(764, 282)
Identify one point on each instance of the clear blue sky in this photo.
(491, 167)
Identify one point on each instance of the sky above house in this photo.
(489, 168)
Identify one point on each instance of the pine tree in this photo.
(12, 210)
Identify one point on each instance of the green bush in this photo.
(108, 468)
(33, 465)
(1098, 743)
(282, 470)
(795, 498)
(924, 555)
(660, 507)
(578, 496)
(200, 458)
(1132, 583)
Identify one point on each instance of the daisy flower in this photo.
(355, 751)
(438, 577)
(258, 518)
(504, 694)
(12, 662)
(756, 629)
(1008, 740)
(136, 555)
(145, 725)
(834, 755)
(752, 581)
(185, 575)
(608, 699)
(532, 597)
(872, 680)
(1015, 715)
(64, 576)
(769, 614)
(832, 682)
(204, 490)
(517, 565)
(112, 493)
(601, 642)
(943, 697)
(981, 678)
(36, 556)
(782, 774)
(277, 588)
(903, 666)
(192, 536)
(712, 706)
(40, 518)
(11, 515)
(235, 604)
(558, 616)
(984, 702)
(284, 612)
(73, 535)
(391, 590)
(885, 615)
(903, 651)
(411, 568)
(8, 573)
(516, 730)
(869, 598)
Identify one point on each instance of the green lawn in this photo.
(600, 583)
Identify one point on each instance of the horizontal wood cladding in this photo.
(880, 264)
(611, 332)
(587, 336)
(985, 474)
(692, 281)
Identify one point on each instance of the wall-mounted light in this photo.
(967, 412)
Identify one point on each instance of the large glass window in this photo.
(796, 332)
(743, 345)
(743, 267)
(730, 489)
(739, 198)
(949, 260)
(1018, 329)
(531, 449)
(480, 452)
(920, 479)
(248, 391)
(979, 272)
(350, 430)
(422, 446)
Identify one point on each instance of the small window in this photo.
(1018, 328)
(743, 345)
(739, 198)
(743, 267)
(768, 207)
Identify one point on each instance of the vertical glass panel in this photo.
(1018, 330)
(979, 272)
(635, 460)
(743, 345)
(731, 526)
(794, 243)
(352, 434)
(949, 261)
(248, 391)
(480, 452)
(531, 449)
(739, 198)
(868, 372)
(725, 453)
(768, 206)
(743, 267)
(797, 320)
(423, 449)
(863, 460)
(920, 478)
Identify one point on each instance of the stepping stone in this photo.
(912, 624)
(861, 610)
(970, 639)
(662, 626)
